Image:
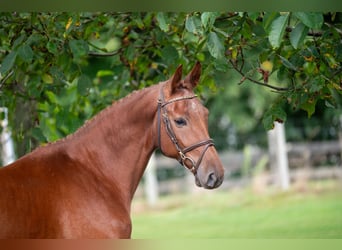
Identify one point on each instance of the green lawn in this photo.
(313, 213)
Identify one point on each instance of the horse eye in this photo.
(180, 122)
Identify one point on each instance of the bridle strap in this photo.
(162, 113)
(161, 104)
(199, 144)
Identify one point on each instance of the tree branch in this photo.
(310, 33)
(337, 72)
(245, 77)
(2, 82)
(333, 27)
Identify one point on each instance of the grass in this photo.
(315, 212)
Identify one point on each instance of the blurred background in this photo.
(271, 80)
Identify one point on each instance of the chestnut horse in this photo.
(82, 186)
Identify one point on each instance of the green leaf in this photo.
(35, 39)
(208, 19)
(275, 113)
(79, 48)
(83, 84)
(130, 52)
(19, 41)
(57, 74)
(313, 20)
(278, 27)
(268, 121)
(330, 104)
(220, 31)
(47, 78)
(215, 46)
(268, 19)
(287, 63)
(104, 73)
(298, 35)
(162, 22)
(25, 53)
(169, 54)
(309, 106)
(51, 96)
(68, 96)
(8, 62)
(137, 21)
(193, 24)
(52, 47)
(221, 64)
(278, 113)
(253, 15)
(38, 134)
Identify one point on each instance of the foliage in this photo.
(65, 67)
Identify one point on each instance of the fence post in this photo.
(278, 155)
(151, 182)
(6, 144)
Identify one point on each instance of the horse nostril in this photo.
(212, 180)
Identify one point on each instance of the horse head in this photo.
(183, 134)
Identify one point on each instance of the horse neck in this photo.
(117, 144)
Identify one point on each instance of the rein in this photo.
(162, 113)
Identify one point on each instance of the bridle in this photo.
(182, 158)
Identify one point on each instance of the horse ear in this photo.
(194, 76)
(175, 80)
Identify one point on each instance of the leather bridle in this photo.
(182, 157)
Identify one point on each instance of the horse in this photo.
(82, 186)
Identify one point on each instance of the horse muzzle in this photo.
(208, 180)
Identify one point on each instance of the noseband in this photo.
(182, 157)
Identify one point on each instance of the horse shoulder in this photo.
(51, 195)
(25, 200)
